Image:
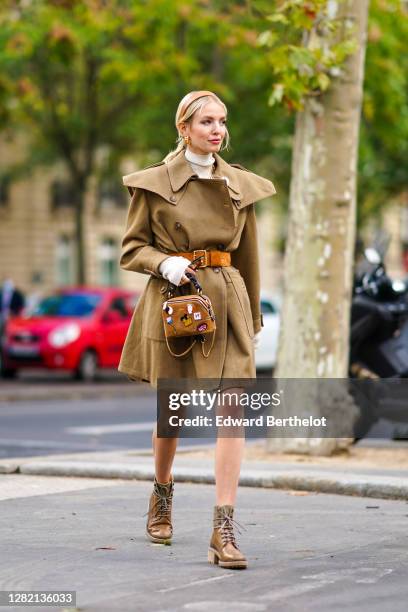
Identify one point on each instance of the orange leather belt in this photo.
(207, 258)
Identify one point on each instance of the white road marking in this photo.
(225, 606)
(185, 586)
(41, 444)
(322, 579)
(365, 575)
(100, 430)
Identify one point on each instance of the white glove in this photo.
(173, 268)
(256, 340)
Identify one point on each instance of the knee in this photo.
(229, 404)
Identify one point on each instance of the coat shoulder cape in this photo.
(252, 186)
(152, 178)
(165, 179)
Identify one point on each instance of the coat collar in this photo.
(244, 186)
(166, 179)
(180, 171)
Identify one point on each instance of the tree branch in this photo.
(91, 109)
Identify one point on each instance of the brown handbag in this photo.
(188, 315)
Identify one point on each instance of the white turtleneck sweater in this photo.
(201, 164)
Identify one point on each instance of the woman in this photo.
(195, 204)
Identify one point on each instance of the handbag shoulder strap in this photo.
(212, 344)
(191, 346)
(180, 354)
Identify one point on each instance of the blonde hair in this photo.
(187, 117)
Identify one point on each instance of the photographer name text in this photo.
(259, 421)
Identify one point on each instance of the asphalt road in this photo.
(76, 425)
(108, 416)
(44, 414)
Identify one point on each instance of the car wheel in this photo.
(8, 373)
(88, 366)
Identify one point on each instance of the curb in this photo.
(382, 487)
(76, 393)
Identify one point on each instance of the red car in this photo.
(79, 329)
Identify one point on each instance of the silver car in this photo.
(265, 354)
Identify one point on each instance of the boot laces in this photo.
(162, 503)
(225, 524)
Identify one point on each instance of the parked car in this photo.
(79, 329)
(265, 354)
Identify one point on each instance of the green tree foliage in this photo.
(304, 49)
(89, 74)
(304, 54)
(92, 81)
(383, 167)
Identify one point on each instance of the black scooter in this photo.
(379, 344)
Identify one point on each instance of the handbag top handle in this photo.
(191, 277)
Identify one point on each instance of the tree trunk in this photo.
(79, 235)
(320, 247)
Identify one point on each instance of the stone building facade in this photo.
(37, 228)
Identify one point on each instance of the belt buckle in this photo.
(201, 264)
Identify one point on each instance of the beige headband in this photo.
(189, 98)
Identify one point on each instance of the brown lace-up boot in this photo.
(159, 528)
(223, 548)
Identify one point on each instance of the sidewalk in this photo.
(305, 551)
(375, 472)
(77, 523)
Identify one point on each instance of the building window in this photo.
(62, 194)
(64, 261)
(108, 262)
(111, 193)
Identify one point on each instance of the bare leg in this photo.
(228, 457)
(164, 450)
(159, 528)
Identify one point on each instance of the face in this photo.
(206, 130)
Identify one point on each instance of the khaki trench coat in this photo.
(173, 210)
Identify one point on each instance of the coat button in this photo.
(173, 198)
(177, 225)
